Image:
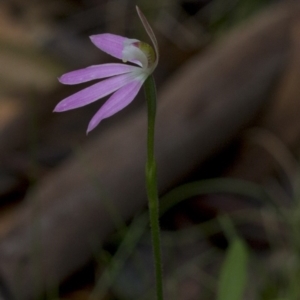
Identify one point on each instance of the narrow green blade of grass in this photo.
(233, 275)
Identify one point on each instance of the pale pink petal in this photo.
(94, 92)
(95, 72)
(115, 45)
(116, 102)
(109, 43)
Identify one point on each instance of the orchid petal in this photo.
(109, 43)
(116, 102)
(94, 92)
(95, 72)
(115, 45)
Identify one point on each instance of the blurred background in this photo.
(72, 214)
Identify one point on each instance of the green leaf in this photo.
(233, 275)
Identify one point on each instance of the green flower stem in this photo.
(151, 178)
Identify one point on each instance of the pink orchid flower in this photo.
(123, 80)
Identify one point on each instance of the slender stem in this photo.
(151, 178)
